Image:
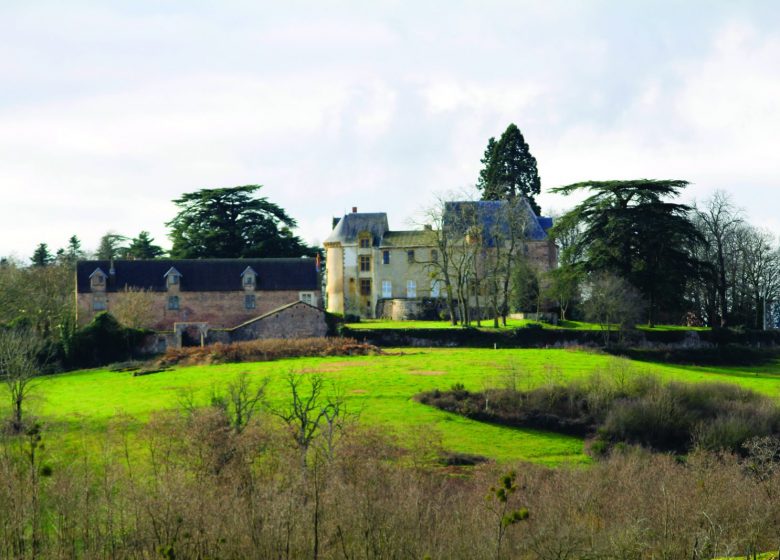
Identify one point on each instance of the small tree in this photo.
(134, 308)
(42, 256)
(241, 401)
(612, 302)
(499, 505)
(20, 351)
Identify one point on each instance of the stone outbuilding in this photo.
(209, 293)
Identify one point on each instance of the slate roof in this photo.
(490, 216)
(348, 228)
(202, 275)
(411, 238)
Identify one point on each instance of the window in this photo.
(99, 303)
(434, 255)
(365, 286)
(173, 302)
(173, 279)
(306, 297)
(365, 263)
(410, 256)
(249, 280)
(365, 242)
(411, 289)
(435, 288)
(385, 257)
(249, 301)
(98, 279)
(387, 289)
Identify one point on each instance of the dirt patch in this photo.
(430, 372)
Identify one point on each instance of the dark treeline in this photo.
(189, 485)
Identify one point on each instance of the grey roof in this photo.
(203, 275)
(348, 228)
(491, 216)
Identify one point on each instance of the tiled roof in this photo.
(202, 275)
(412, 238)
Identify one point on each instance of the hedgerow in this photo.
(266, 350)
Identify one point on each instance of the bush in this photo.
(103, 341)
(626, 408)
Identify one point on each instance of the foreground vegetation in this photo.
(195, 486)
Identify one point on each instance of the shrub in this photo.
(632, 409)
(103, 341)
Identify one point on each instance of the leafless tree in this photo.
(611, 301)
(718, 219)
(761, 269)
(134, 307)
(309, 412)
(20, 352)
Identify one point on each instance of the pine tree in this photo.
(143, 247)
(42, 256)
(509, 169)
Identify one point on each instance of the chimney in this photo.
(354, 209)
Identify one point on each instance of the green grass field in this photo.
(78, 406)
(374, 324)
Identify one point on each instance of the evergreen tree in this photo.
(509, 169)
(111, 246)
(628, 229)
(143, 247)
(42, 256)
(72, 253)
(232, 223)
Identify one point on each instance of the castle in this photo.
(373, 271)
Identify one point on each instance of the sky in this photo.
(111, 110)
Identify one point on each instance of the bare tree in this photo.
(611, 301)
(20, 351)
(240, 402)
(310, 413)
(446, 267)
(761, 269)
(718, 220)
(134, 307)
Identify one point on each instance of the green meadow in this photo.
(77, 407)
(487, 325)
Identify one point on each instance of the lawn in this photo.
(378, 324)
(77, 406)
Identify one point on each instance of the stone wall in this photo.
(218, 309)
(299, 320)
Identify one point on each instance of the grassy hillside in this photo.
(78, 406)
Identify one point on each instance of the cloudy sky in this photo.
(109, 110)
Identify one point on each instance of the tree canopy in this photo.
(143, 247)
(509, 169)
(629, 229)
(230, 223)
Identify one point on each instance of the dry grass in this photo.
(266, 350)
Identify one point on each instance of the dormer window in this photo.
(97, 280)
(249, 278)
(365, 240)
(172, 277)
